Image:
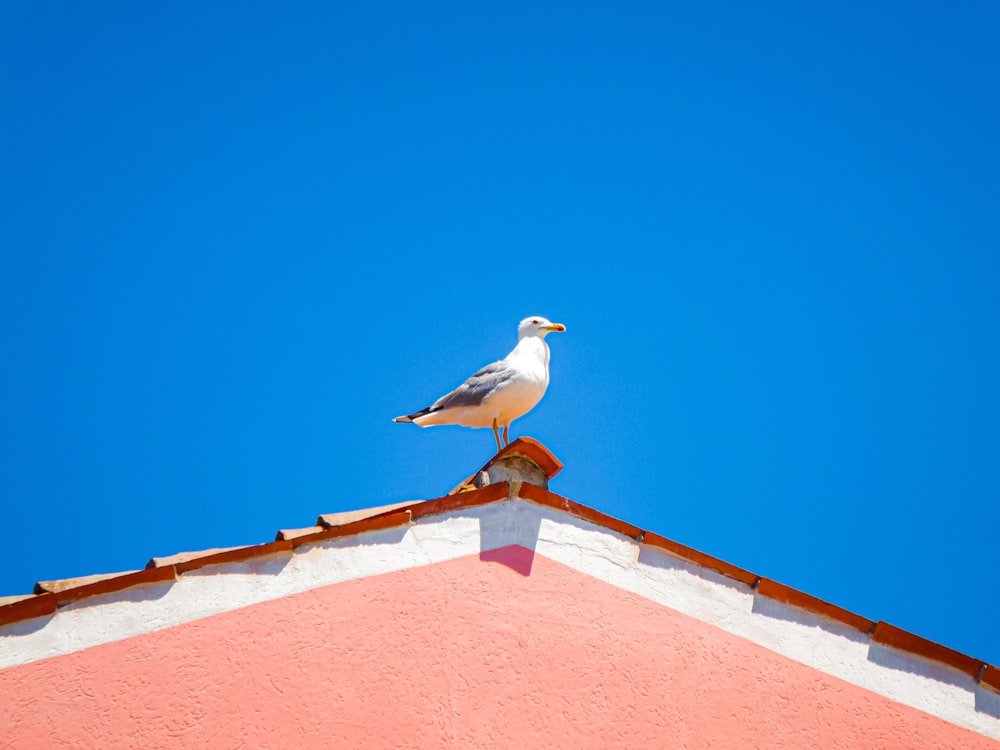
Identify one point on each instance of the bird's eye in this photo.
(535, 322)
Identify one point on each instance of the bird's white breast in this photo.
(530, 360)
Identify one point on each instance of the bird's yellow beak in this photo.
(555, 327)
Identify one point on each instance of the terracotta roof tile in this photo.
(532, 449)
(54, 587)
(181, 557)
(328, 520)
(289, 534)
(787, 595)
(374, 523)
(235, 554)
(107, 585)
(890, 635)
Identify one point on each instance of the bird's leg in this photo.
(496, 434)
(506, 435)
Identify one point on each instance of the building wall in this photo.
(502, 648)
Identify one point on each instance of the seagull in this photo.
(501, 392)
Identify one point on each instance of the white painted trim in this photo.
(820, 643)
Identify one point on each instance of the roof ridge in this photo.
(50, 595)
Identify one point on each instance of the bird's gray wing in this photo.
(476, 389)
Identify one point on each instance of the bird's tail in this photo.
(415, 415)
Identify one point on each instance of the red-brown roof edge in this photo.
(492, 493)
(700, 558)
(545, 497)
(552, 500)
(119, 583)
(29, 608)
(235, 555)
(991, 678)
(402, 516)
(903, 640)
(795, 598)
(372, 523)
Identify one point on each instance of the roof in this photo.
(521, 470)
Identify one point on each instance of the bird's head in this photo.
(538, 326)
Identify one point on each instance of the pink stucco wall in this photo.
(467, 653)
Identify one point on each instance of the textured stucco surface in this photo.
(503, 649)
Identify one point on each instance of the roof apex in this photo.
(525, 460)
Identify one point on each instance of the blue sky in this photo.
(238, 239)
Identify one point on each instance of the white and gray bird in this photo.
(501, 392)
